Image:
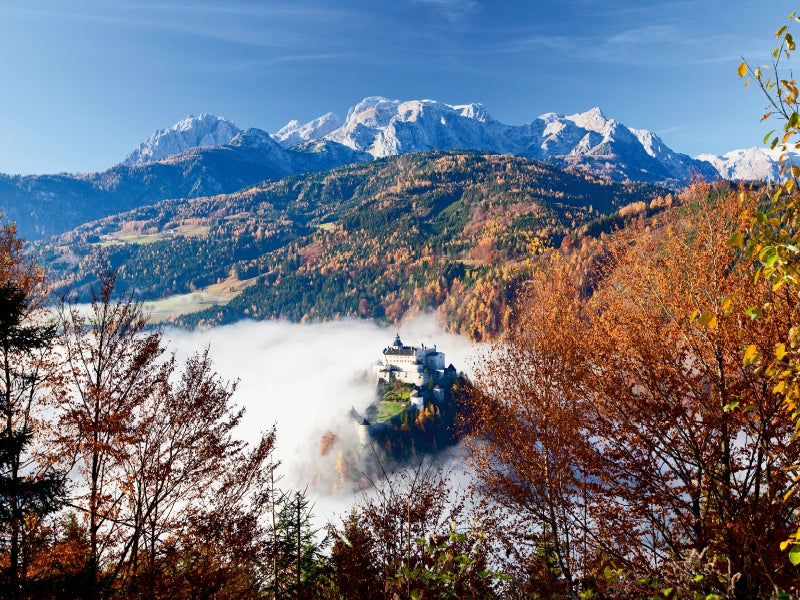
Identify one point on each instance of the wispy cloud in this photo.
(248, 23)
(664, 45)
(453, 10)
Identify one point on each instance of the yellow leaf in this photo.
(780, 351)
(750, 353)
(742, 69)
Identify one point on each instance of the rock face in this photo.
(293, 133)
(204, 131)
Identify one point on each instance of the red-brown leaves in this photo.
(626, 423)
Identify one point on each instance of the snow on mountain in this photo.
(378, 127)
(592, 120)
(192, 132)
(586, 141)
(751, 164)
(294, 133)
(383, 127)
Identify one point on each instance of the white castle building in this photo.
(409, 364)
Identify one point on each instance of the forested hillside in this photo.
(446, 230)
(44, 205)
(628, 438)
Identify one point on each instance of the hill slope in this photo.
(376, 239)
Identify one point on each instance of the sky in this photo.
(84, 82)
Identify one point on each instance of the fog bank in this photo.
(305, 378)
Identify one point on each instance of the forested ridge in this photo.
(447, 230)
(625, 440)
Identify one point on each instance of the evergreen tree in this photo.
(27, 493)
(298, 562)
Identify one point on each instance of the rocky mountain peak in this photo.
(203, 131)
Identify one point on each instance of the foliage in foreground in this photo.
(621, 431)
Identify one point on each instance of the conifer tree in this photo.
(27, 492)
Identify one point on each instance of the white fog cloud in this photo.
(305, 378)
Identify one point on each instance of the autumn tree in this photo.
(694, 444)
(530, 419)
(182, 449)
(399, 542)
(158, 476)
(112, 366)
(773, 232)
(624, 423)
(222, 547)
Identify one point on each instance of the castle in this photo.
(410, 364)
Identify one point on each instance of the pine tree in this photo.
(27, 493)
(297, 552)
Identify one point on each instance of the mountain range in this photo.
(381, 127)
(587, 141)
(206, 155)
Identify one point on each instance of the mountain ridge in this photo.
(384, 127)
(188, 160)
(203, 131)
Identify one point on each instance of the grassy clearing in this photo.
(136, 237)
(388, 409)
(167, 309)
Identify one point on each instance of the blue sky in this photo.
(83, 82)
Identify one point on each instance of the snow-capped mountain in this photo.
(751, 164)
(586, 141)
(378, 127)
(203, 131)
(294, 133)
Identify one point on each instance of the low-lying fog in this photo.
(305, 378)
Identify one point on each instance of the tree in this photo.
(694, 445)
(407, 539)
(530, 423)
(160, 479)
(111, 369)
(183, 444)
(222, 548)
(297, 561)
(623, 427)
(773, 234)
(28, 490)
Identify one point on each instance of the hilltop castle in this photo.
(410, 364)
